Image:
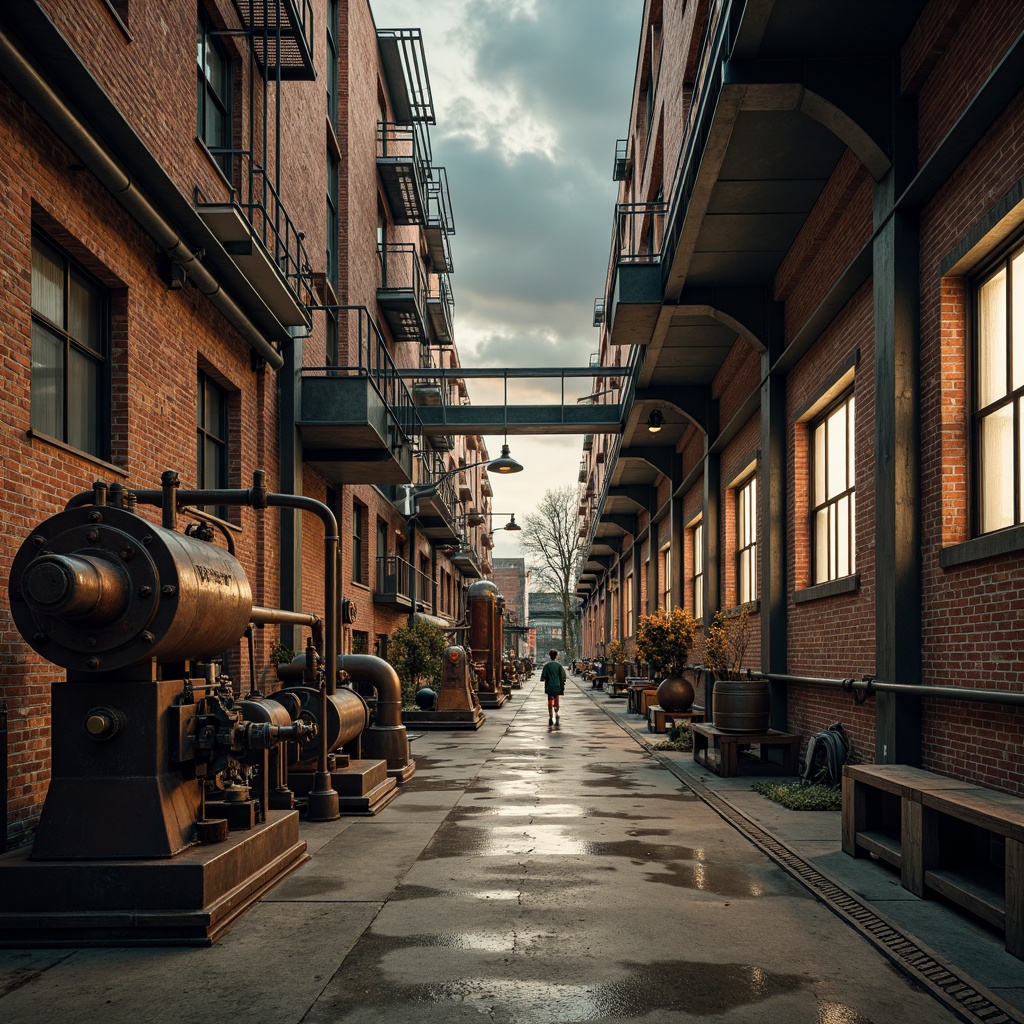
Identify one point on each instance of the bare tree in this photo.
(550, 542)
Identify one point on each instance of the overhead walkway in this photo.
(602, 412)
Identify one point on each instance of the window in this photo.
(665, 578)
(358, 543)
(998, 396)
(698, 570)
(331, 17)
(213, 93)
(332, 219)
(211, 437)
(70, 343)
(833, 498)
(627, 600)
(746, 541)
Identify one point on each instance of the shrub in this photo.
(680, 737)
(664, 640)
(415, 652)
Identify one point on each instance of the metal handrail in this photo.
(375, 363)
(259, 202)
(402, 270)
(869, 686)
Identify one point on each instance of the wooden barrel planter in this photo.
(741, 705)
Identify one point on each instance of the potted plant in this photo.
(664, 640)
(739, 700)
(618, 652)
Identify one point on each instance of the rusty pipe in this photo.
(387, 737)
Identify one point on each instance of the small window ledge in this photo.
(844, 585)
(1005, 542)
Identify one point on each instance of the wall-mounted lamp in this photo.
(655, 421)
(512, 524)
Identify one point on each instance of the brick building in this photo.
(512, 580)
(547, 621)
(813, 280)
(220, 265)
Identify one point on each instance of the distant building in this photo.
(511, 578)
(548, 620)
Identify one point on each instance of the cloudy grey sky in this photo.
(530, 97)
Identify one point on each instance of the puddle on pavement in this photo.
(698, 989)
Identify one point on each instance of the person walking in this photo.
(553, 678)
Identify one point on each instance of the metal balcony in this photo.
(636, 291)
(622, 165)
(281, 36)
(598, 312)
(404, 63)
(392, 583)
(402, 295)
(404, 169)
(441, 309)
(258, 234)
(439, 225)
(468, 562)
(356, 422)
(436, 513)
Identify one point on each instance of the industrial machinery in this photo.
(484, 618)
(457, 705)
(169, 808)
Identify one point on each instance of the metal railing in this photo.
(433, 471)
(620, 168)
(368, 355)
(439, 291)
(439, 201)
(598, 312)
(639, 232)
(258, 201)
(407, 143)
(402, 271)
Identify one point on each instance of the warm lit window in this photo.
(213, 93)
(999, 394)
(746, 541)
(698, 570)
(833, 497)
(628, 626)
(70, 337)
(665, 577)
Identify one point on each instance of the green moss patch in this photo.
(801, 796)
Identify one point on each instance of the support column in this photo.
(772, 513)
(897, 271)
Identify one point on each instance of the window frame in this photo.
(220, 149)
(697, 577)
(360, 518)
(1011, 397)
(847, 401)
(71, 346)
(746, 541)
(205, 382)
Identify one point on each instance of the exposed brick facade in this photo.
(134, 92)
(833, 291)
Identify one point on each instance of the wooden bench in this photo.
(945, 836)
(614, 688)
(648, 699)
(706, 738)
(660, 720)
(597, 682)
(636, 688)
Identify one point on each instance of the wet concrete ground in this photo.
(524, 876)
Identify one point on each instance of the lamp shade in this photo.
(505, 463)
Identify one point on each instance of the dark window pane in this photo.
(47, 382)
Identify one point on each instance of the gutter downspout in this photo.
(77, 137)
(387, 737)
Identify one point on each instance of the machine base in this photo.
(190, 899)
(468, 719)
(364, 787)
(492, 700)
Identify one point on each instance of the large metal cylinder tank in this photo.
(96, 589)
(481, 610)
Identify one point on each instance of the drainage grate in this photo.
(960, 995)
